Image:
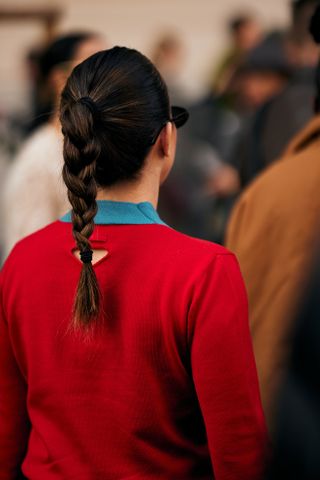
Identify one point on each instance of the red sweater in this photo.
(165, 389)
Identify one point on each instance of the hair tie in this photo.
(86, 256)
(89, 103)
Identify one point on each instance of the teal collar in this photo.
(123, 213)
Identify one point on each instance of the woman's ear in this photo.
(167, 139)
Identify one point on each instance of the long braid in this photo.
(81, 151)
(111, 107)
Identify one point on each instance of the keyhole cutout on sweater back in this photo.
(98, 254)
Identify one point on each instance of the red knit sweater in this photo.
(166, 388)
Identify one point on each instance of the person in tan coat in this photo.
(272, 230)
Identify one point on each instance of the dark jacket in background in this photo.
(266, 135)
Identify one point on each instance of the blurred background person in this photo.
(189, 199)
(262, 78)
(245, 33)
(201, 181)
(300, 48)
(272, 231)
(34, 194)
(297, 437)
(215, 122)
(281, 109)
(259, 78)
(169, 57)
(208, 173)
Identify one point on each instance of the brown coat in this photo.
(272, 231)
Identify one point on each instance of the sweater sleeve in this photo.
(14, 423)
(224, 372)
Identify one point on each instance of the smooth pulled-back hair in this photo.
(111, 108)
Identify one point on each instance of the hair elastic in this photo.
(89, 103)
(86, 256)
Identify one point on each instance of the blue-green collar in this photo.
(123, 213)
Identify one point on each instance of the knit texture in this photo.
(165, 388)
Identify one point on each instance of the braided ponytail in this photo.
(81, 151)
(111, 108)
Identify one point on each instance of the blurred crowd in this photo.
(260, 93)
(247, 174)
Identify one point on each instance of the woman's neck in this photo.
(131, 192)
(143, 189)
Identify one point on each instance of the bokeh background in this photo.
(200, 24)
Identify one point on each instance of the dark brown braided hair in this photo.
(111, 107)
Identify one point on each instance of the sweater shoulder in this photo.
(186, 245)
(34, 244)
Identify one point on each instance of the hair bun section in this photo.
(79, 122)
